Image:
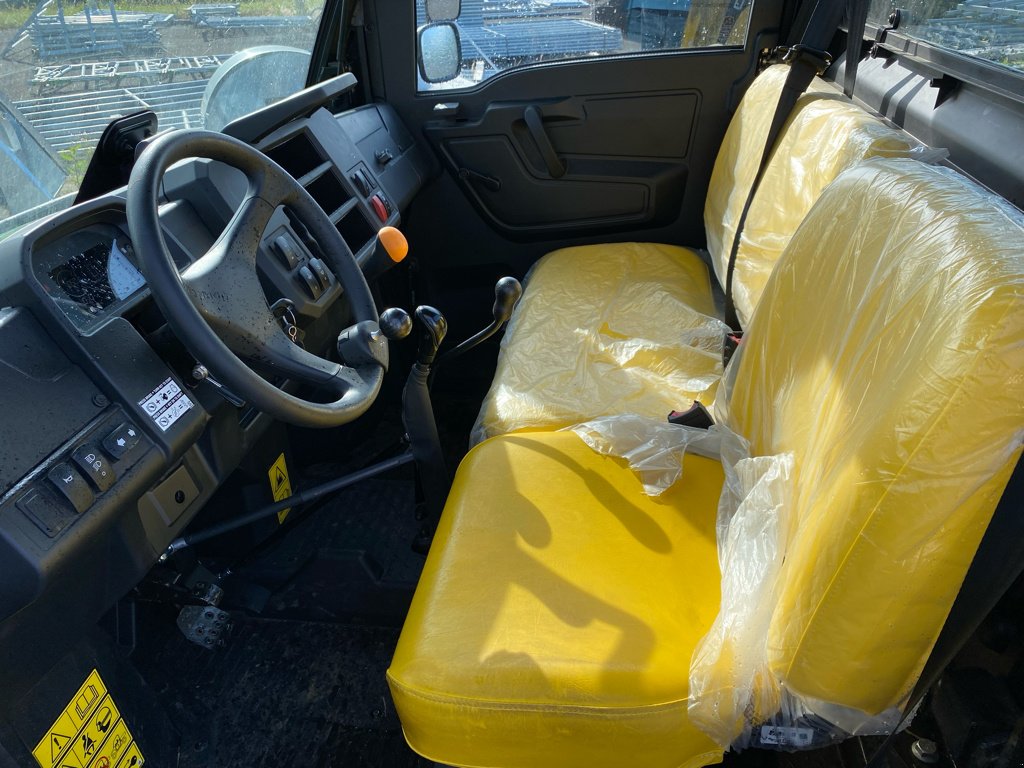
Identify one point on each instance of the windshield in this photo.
(67, 69)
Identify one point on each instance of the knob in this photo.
(433, 327)
(395, 323)
(507, 292)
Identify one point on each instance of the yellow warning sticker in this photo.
(89, 733)
(280, 485)
(132, 758)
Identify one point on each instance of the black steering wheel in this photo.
(217, 306)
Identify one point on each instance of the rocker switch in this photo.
(95, 466)
(381, 207)
(362, 183)
(71, 486)
(323, 274)
(310, 282)
(286, 250)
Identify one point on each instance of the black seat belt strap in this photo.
(856, 20)
(806, 59)
(997, 564)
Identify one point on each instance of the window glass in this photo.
(68, 67)
(988, 29)
(497, 35)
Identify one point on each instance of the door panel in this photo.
(623, 149)
(611, 161)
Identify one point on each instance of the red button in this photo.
(379, 208)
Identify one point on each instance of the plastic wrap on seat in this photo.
(886, 358)
(824, 135)
(606, 329)
(655, 448)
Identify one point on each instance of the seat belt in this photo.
(856, 21)
(997, 564)
(806, 59)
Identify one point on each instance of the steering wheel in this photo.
(217, 306)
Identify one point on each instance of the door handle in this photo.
(535, 125)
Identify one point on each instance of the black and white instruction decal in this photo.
(166, 404)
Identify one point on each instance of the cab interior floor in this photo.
(301, 682)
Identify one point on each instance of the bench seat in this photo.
(565, 619)
(555, 628)
(558, 365)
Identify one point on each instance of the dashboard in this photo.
(110, 447)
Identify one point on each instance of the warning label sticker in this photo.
(89, 733)
(166, 404)
(280, 485)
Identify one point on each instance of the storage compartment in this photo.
(328, 191)
(297, 155)
(355, 230)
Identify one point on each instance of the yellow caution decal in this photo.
(90, 733)
(280, 485)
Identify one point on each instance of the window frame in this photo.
(936, 60)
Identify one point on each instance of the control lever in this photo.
(507, 292)
(202, 373)
(395, 323)
(389, 248)
(418, 412)
(433, 328)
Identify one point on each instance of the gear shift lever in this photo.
(418, 413)
(433, 328)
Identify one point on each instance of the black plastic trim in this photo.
(969, 69)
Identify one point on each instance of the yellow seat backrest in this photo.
(887, 354)
(824, 135)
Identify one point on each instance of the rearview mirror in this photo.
(440, 52)
(443, 10)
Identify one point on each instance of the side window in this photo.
(991, 30)
(496, 35)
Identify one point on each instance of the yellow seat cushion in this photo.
(557, 612)
(606, 329)
(824, 135)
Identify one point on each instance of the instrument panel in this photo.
(90, 273)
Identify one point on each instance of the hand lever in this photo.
(507, 292)
(433, 328)
(395, 323)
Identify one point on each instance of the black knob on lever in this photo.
(433, 328)
(507, 292)
(395, 323)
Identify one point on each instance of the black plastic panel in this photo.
(983, 131)
(46, 397)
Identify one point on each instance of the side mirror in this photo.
(443, 10)
(439, 51)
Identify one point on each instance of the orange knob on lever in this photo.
(390, 248)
